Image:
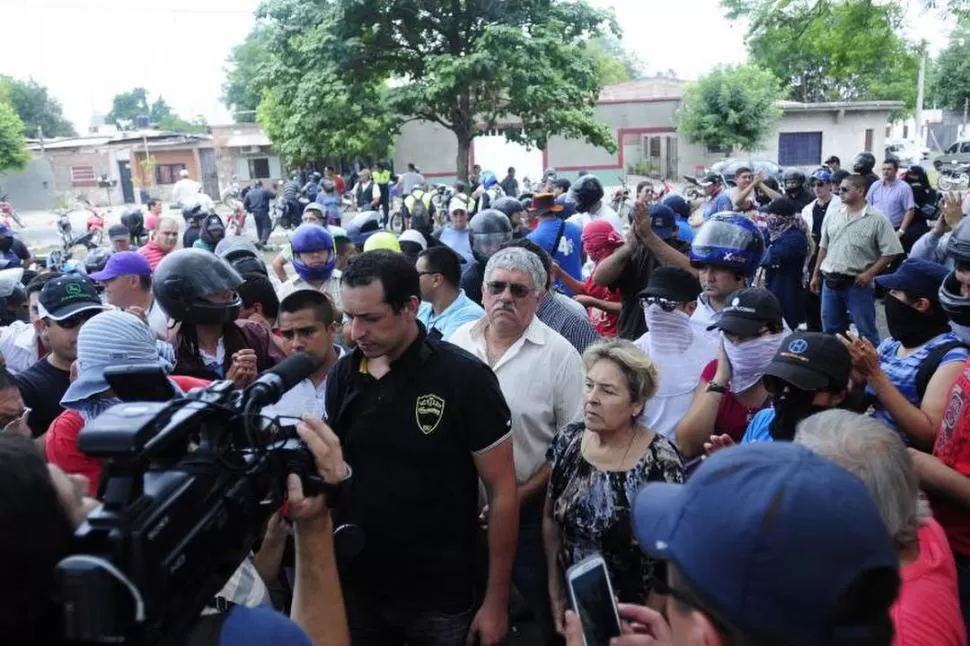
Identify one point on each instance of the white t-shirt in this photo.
(183, 190)
(605, 213)
(158, 320)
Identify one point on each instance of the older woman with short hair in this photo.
(598, 466)
(927, 610)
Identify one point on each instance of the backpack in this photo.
(932, 361)
(419, 212)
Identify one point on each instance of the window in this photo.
(965, 147)
(905, 132)
(800, 148)
(168, 173)
(869, 136)
(259, 168)
(952, 149)
(718, 149)
(83, 176)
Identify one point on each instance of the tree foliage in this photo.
(159, 111)
(949, 78)
(127, 107)
(36, 108)
(13, 147)
(614, 62)
(832, 50)
(730, 107)
(245, 75)
(344, 75)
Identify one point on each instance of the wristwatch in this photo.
(714, 387)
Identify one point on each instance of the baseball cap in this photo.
(794, 533)
(123, 263)
(663, 221)
(917, 277)
(811, 361)
(118, 232)
(412, 235)
(313, 206)
(710, 178)
(782, 206)
(65, 296)
(458, 203)
(673, 283)
(833, 158)
(747, 310)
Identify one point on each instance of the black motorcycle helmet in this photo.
(508, 205)
(794, 180)
(863, 163)
(185, 278)
(213, 230)
(952, 300)
(586, 192)
(958, 246)
(242, 255)
(134, 221)
(13, 297)
(916, 176)
(489, 230)
(96, 260)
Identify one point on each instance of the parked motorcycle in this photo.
(955, 177)
(8, 213)
(71, 252)
(94, 223)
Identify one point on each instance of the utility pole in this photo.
(920, 90)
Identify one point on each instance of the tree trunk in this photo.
(464, 152)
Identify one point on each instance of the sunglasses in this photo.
(75, 321)
(665, 304)
(498, 287)
(13, 424)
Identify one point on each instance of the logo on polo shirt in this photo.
(428, 411)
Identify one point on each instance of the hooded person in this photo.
(315, 262)
(211, 233)
(785, 260)
(8, 256)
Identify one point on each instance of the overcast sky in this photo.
(86, 51)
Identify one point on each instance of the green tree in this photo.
(127, 106)
(159, 110)
(467, 66)
(36, 108)
(13, 148)
(949, 75)
(173, 123)
(245, 77)
(730, 107)
(832, 50)
(615, 63)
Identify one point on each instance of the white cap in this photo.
(183, 173)
(412, 235)
(458, 203)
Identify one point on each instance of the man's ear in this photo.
(690, 308)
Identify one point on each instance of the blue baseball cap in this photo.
(917, 277)
(770, 537)
(663, 221)
(678, 204)
(124, 263)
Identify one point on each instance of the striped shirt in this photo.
(902, 371)
(571, 326)
(853, 244)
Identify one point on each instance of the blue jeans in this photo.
(859, 303)
(381, 622)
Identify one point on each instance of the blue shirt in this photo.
(759, 429)
(459, 241)
(685, 231)
(902, 371)
(569, 254)
(244, 626)
(721, 202)
(461, 311)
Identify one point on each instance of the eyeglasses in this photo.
(13, 424)
(77, 320)
(498, 287)
(665, 304)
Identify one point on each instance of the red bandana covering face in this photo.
(600, 240)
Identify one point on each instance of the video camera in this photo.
(188, 486)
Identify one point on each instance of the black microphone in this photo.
(273, 383)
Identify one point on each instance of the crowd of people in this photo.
(699, 393)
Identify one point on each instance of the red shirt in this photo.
(61, 440)
(952, 447)
(339, 185)
(927, 612)
(603, 321)
(152, 252)
(733, 417)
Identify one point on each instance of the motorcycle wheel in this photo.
(396, 223)
(98, 237)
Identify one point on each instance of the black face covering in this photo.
(6, 243)
(791, 407)
(911, 327)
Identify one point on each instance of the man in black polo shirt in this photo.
(420, 421)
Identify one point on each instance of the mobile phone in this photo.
(592, 598)
(140, 383)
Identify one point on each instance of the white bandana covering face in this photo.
(670, 332)
(749, 359)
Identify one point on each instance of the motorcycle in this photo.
(694, 190)
(395, 218)
(72, 249)
(94, 223)
(8, 213)
(237, 221)
(955, 177)
(621, 203)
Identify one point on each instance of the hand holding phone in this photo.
(592, 597)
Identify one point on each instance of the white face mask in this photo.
(669, 331)
(749, 359)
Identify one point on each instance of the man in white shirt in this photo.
(127, 280)
(541, 376)
(589, 193)
(185, 190)
(308, 323)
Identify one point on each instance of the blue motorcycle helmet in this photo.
(489, 179)
(678, 205)
(728, 240)
(821, 175)
(313, 238)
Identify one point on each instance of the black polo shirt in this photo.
(410, 438)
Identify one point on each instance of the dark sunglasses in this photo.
(665, 304)
(77, 320)
(498, 287)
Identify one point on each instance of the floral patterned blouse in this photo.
(593, 508)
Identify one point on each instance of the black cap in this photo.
(710, 178)
(65, 296)
(118, 231)
(747, 310)
(833, 158)
(782, 206)
(812, 361)
(674, 284)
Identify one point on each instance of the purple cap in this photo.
(123, 263)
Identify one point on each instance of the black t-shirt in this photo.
(471, 280)
(410, 438)
(42, 386)
(630, 324)
(19, 248)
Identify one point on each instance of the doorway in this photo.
(124, 178)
